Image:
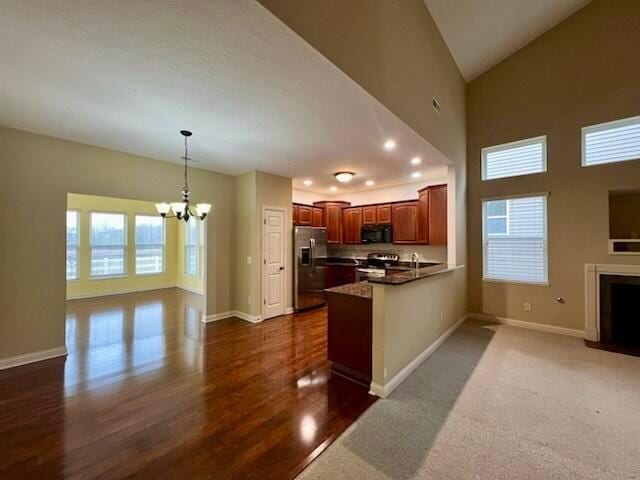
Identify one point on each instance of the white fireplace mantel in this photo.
(592, 272)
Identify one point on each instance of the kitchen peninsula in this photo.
(357, 318)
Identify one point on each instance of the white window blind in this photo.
(73, 237)
(514, 237)
(523, 157)
(108, 244)
(191, 248)
(610, 142)
(149, 244)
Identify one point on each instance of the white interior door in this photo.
(273, 248)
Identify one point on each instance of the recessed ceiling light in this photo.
(416, 161)
(370, 183)
(416, 174)
(389, 145)
(308, 182)
(344, 177)
(333, 189)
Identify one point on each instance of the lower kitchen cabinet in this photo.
(350, 337)
(340, 275)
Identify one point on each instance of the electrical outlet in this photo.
(441, 318)
(527, 306)
(385, 373)
(248, 300)
(249, 260)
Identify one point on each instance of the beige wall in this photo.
(409, 318)
(394, 50)
(253, 191)
(84, 285)
(581, 72)
(37, 173)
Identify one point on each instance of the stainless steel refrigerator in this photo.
(310, 270)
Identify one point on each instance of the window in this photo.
(108, 244)
(191, 248)
(517, 158)
(611, 142)
(73, 239)
(149, 244)
(514, 239)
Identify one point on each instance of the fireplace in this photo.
(620, 309)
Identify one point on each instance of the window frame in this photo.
(599, 127)
(125, 245)
(77, 246)
(507, 146)
(545, 196)
(196, 248)
(505, 216)
(135, 245)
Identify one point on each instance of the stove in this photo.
(376, 265)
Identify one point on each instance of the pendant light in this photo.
(183, 210)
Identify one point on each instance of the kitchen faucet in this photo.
(415, 260)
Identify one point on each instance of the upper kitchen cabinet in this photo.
(333, 219)
(383, 214)
(294, 214)
(317, 217)
(437, 215)
(369, 215)
(423, 216)
(304, 215)
(405, 222)
(352, 223)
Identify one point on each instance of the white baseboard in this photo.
(32, 357)
(542, 327)
(119, 292)
(289, 311)
(232, 313)
(384, 391)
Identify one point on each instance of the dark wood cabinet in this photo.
(437, 215)
(340, 275)
(423, 216)
(304, 215)
(383, 214)
(350, 337)
(294, 214)
(352, 223)
(405, 222)
(317, 217)
(333, 220)
(369, 215)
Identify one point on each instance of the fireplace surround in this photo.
(610, 291)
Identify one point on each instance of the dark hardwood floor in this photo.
(148, 391)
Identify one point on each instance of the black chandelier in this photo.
(183, 210)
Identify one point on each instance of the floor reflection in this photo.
(109, 338)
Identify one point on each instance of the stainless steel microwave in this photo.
(376, 234)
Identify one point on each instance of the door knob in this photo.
(281, 268)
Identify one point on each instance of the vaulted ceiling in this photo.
(481, 33)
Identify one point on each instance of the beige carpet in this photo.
(497, 402)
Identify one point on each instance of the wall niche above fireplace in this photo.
(624, 222)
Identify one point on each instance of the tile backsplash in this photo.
(426, 252)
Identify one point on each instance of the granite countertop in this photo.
(411, 275)
(358, 289)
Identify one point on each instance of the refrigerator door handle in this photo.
(312, 243)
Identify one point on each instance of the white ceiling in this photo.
(481, 33)
(129, 75)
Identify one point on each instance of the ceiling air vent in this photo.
(436, 105)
